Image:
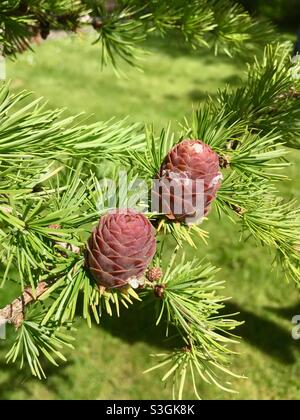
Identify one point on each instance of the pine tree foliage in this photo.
(69, 137)
(52, 193)
(190, 303)
(121, 26)
(270, 96)
(253, 158)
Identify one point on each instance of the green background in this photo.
(109, 359)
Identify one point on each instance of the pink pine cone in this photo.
(188, 161)
(120, 248)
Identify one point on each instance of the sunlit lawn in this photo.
(110, 358)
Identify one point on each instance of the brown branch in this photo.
(14, 312)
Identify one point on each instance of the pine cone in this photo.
(120, 248)
(187, 162)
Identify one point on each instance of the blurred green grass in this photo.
(110, 358)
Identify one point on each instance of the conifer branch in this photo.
(121, 26)
(49, 203)
(252, 156)
(54, 136)
(14, 312)
(189, 303)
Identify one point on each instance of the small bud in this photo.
(154, 274)
(224, 161)
(54, 226)
(44, 30)
(97, 23)
(23, 7)
(159, 290)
